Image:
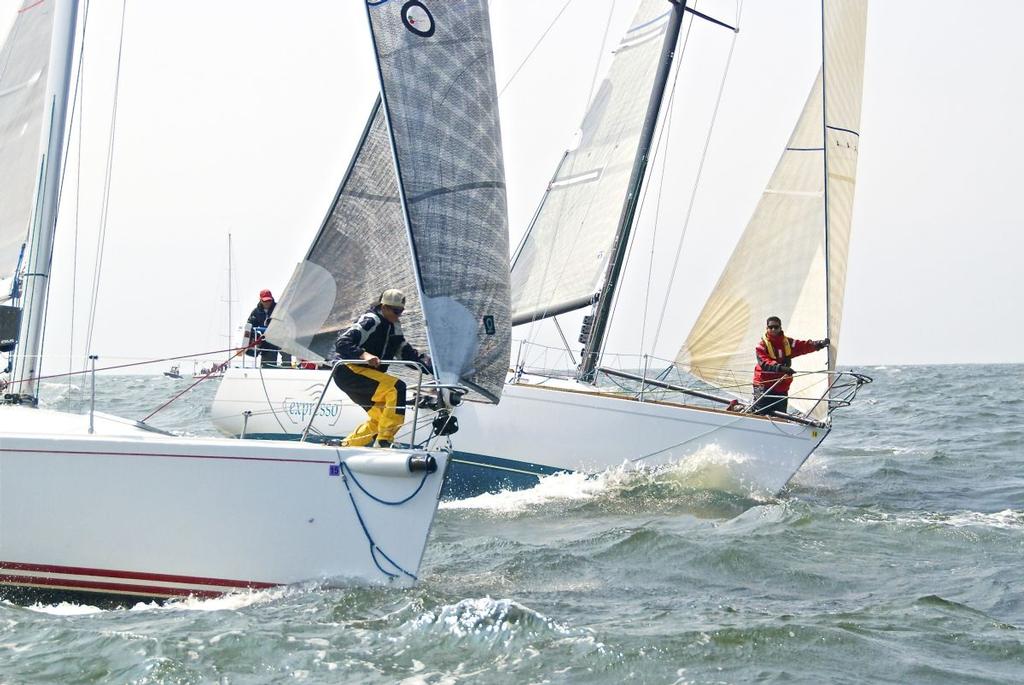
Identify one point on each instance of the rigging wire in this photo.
(78, 101)
(108, 175)
(696, 183)
(666, 125)
(667, 132)
(534, 48)
(534, 329)
(600, 53)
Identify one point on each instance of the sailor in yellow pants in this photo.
(376, 335)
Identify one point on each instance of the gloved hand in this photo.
(427, 363)
(822, 343)
(788, 370)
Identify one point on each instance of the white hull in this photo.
(131, 513)
(542, 426)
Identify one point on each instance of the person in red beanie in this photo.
(255, 328)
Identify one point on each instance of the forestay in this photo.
(791, 260)
(360, 251)
(24, 60)
(440, 99)
(560, 264)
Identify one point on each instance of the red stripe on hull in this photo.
(107, 588)
(129, 575)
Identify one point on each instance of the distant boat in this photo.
(174, 372)
(207, 370)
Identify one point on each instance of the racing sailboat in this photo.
(95, 506)
(572, 258)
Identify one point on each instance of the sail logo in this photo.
(418, 19)
(299, 411)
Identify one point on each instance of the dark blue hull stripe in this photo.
(469, 474)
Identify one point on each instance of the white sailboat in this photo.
(571, 259)
(98, 506)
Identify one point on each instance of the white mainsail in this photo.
(564, 256)
(24, 60)
(791, 260)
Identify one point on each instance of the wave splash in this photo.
(710, 478)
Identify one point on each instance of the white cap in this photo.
(393, 297)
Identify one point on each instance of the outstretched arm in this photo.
(801, 347)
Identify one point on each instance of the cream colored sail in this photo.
(791, 260)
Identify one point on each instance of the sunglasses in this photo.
(775, 327)
(397, 310)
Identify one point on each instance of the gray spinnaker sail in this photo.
(440, 99)
(24, 60)
(562, 260)
(360, 251)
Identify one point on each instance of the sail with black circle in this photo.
(423, 206)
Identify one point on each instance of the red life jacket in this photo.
(778, 349)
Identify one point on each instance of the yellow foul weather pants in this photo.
(380, 394)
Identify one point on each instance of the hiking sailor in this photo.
(376, 336)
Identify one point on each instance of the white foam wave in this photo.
(65, 609)
(483, 615)
(711, 468)
(228, 602)
(556, 487)
(1007, 519)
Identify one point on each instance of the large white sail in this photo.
(24, 60)
(440, 100)
(791, 260)
(564, 256)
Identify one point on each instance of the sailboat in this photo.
(99, 507)
(571, 259)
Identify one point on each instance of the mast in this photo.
(28, 355)
(824, 158)
(603, 308)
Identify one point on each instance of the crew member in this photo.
(376, 335)
(773, 373)
(256, 327)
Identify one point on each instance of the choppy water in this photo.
(897, 556)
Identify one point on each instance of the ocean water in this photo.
(896, 556)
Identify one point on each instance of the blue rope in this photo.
(374, 548)
(378, 499)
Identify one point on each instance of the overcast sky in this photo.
(241, 115)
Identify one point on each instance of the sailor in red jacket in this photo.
(773, 373)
